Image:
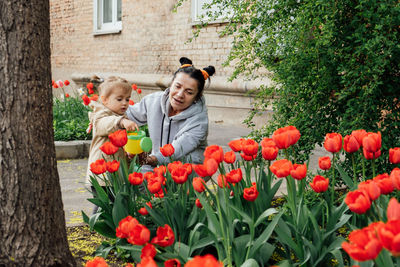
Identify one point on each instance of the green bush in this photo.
(70, 119)
(335, 64)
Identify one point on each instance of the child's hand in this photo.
(129, 125)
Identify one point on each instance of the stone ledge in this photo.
(218, 85)
(72, 149)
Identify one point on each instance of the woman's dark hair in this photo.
(194, 73)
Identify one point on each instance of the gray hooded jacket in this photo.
(186, 131)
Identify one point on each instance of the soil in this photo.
(83, 244)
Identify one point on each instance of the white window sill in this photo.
(218, 21)
(108, 31)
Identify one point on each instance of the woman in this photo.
(177, 116)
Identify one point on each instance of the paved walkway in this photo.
(72, 172)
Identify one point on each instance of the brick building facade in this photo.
(146, 50)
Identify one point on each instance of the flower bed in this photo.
(171, 215)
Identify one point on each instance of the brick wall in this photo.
(151, 41)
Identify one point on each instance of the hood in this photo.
(195, 108)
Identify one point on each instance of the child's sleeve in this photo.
(105, 125)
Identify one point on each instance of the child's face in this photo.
(117, 101)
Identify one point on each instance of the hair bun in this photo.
(210, 70)
(185, 60)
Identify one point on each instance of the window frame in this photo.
(196, 13)
(99, 27)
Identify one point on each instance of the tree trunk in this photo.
(32, 222)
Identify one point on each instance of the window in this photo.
(107, 16)
(199, 12)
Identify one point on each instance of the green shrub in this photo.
(70, 119)
(335, 64)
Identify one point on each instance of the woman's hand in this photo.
(129, 125)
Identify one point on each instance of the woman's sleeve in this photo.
(138, 112)
(186, 142)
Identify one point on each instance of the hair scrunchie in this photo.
(186, 65)
(205, 74)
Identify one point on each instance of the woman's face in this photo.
(183, 92)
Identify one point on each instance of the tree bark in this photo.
(32, 222)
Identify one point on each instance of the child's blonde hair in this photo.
(112, 83)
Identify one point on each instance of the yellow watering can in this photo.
(138, 143)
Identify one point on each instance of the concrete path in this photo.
(72, 172)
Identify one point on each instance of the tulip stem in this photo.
(354, 169)
(333, 180)
(373, 166)
(363, 168)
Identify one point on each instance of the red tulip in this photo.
(172, 263)
(211, 166)
(299, 171)
(214, 152)
(389, 235)
(394, 155)
(66, 82)
(230, 157)
(109, 148)
(358, 201)
(201, 170)
(98, 167)
(160, 170)
(269, 152)
(134, 87)
(112, 166)
(86, 100)
(179, 175)
(165, 236)
(395, 176)
(131, 102)
(393, 210)
(125, 226)
(281, 168)
(147, 262)
(234, 176)
(143, 210)
(359, 135)
(139, 91)
(198, 184)
(372, 142)
(198, 203)
(66, 95)
(385, 183)
(118, 138)
(154, 185)
(236, 145)
(167, 150)
(371, 187)
(266, 142)
(250, 147)
(319, 184)
(221, 180)
(350, 144)
(370, 155)
(251, 193)
(148, 251)
(286, 136)
(173, 165)
(55, 85)
(139, 235)
(94, 97)
(324, 163)
(363, 245)
(333, 142)
(96, 262)
(247, 158)
(203, 261)
(89, 86)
